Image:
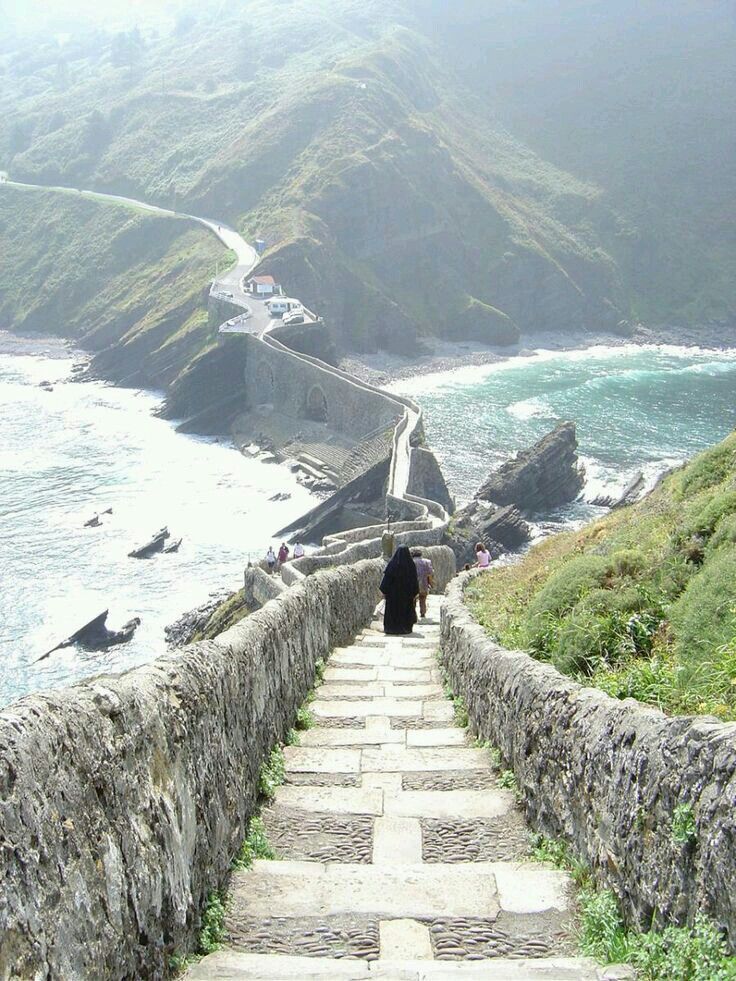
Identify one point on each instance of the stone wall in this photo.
(260, 586)
(606, 775)
(440, 555)
(124, 799)
(275, 375)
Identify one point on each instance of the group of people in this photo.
(274, 560)
(406, 582)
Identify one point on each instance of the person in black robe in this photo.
(400, 586)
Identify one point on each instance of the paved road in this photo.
(230, 281)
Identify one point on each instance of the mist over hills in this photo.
(474, 171)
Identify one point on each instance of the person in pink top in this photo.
(482, 556)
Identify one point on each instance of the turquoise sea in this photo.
(637, 408)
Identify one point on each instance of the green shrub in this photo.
(256, 845)
(724, 534)
(703, 617)
(272, 773)
(684, 830)
(602, 931)
(558, 853)
(708, 470)
(212, 933)
(627, 563)
(705, 518)
(683, 954)
(562, 591)
(304, 718)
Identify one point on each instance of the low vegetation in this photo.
(691, 953)
(228, 613)
(123, 282)
(642, 603)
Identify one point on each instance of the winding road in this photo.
(228, 287)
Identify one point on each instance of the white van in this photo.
(280, 305)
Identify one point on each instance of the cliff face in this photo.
(540, 478)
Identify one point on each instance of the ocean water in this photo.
(637, 408)
(77, 450)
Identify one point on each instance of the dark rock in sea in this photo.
(540, 478)
(181, 631)
(500, 529)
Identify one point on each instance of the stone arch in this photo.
(265, 385)
(316, 404)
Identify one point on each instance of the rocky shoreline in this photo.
(383, 368)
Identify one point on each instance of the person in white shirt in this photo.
(271, 559)
(298, 550)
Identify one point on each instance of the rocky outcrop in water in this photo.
(540, 478)
(500, 529)
(537, 480)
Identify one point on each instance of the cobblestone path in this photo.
(399, 855)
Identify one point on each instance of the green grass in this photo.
(696, 953)
(684, 829)
(227, 614)
(272, 773)
(108, 276)
(255, 846)
(642, 603)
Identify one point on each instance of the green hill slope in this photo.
(641, 603)
(416, 168)
(123, 283)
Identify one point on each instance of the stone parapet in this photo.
(606, 775)
(124, 799)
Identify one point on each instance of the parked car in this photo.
(294, 318)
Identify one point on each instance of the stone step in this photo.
(436, 737)
(404, 760)
(449, 804)
(345, 709)
(378, 689)
(331, 800)
(301, 759)
(229, 965)
(382, 673)
(297, 889)
(478, 889)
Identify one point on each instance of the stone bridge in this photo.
(301, 388)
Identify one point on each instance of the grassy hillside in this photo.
(122, 282)
(558, 172)
(641, 603)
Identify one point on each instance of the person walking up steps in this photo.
(283, 553)
(270, 559)
(424, 575)
(400, 586)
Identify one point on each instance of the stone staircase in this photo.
(399, 855)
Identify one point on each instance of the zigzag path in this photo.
(399, 855)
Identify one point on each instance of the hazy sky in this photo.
(29, 13)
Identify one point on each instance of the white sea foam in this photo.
(535, 408)
(467, 375)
